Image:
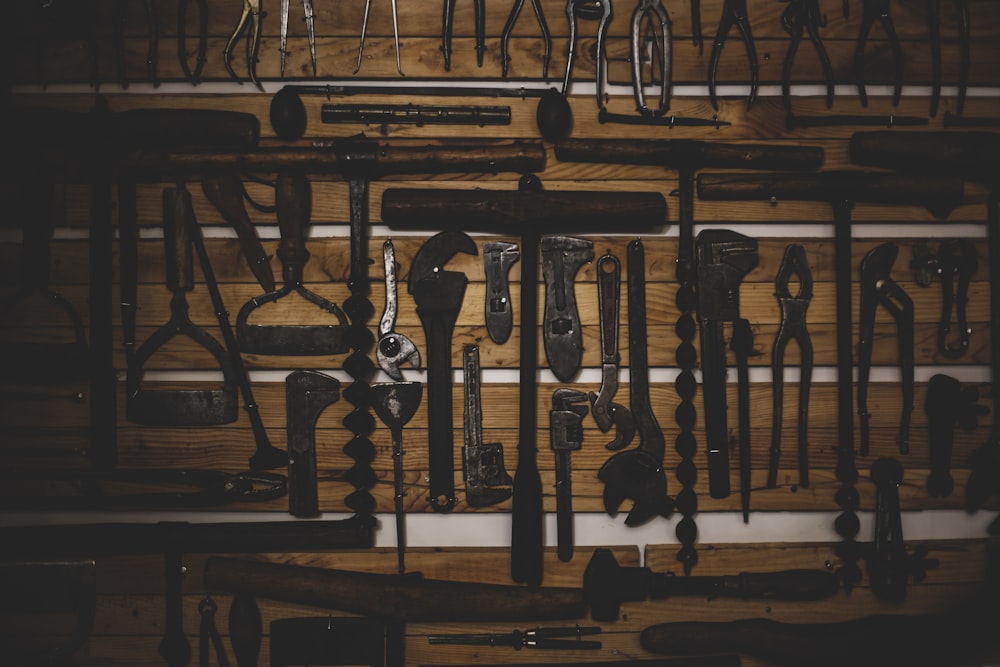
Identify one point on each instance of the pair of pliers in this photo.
(515, 11)
(182, 54)
(599, 10)
(364, 29)
(651, 9)
(152, 45)
(878, 10)
(250, 22)
(793, 327)
(310, 19)
(448, 20)
(799, 16)
(878, 287)
(734, 12)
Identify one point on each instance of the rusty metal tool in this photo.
(498, 258)
(486, 479)
(804, 16)
(439, 294)
(293, 201)
(606, 412)
(448, 22)
(508, 28)
(310, 20)
(540, 638)
(307, 394)
(393, 349)
(734, 12)
(395, 403)
(562, 258)
(180, 407)
(662, 54)
(569, 407)
(592, 10)
(638, 473)
(192, 75)
(878, 287)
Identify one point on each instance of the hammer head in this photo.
(606, 585)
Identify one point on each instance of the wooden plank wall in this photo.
(52, 433)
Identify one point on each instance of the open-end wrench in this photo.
(393, 348)
(498, 257)
(438, 295)
(604, 410)
(562, 257)
(638, 473)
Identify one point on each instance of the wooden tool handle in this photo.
(684, 153)
(177, 239)
(293, 204)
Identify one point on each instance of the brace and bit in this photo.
(654, 12)
(792, 327)
(393, 349)
(878, 10)
(878, 287)
(890, 565)
(955, 261)
(310, 20)
(804, 16)
(498, 257)
(606, 412)
(448, 22)
(395, 36)
(734, 12)
(249, 22)
(508, 28)
(593, 10)
(569, 407)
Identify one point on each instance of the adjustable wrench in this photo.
(562, 257)
(724, 257)
(393, 348)
(604, 410)
(638, 473)
(565, 435)
(438, 295)
(498, 257)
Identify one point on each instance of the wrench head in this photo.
(624, 424)
(437, 251)
(637, 475)
(394, 350)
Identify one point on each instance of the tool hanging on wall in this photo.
(878, 287)
(792, 327)
(486, 479)
(448, 22)
(245, 630)
(591, 10)
(393, 348)
(662, 54)
(562, 258)
(152, 45)
(201, 57)
(606, 412)
(799, 16)
(310, 20)
(734, 12)
(414, 114)
(880, 11)
(956, 261)
(539, 638)
(569, 407)
(364, 29)
(498, 258)
(307, 394)
(508, 28)
(250, 22)
(293, 203)
(180, 407)
(948, 405)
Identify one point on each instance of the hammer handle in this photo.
(690, 154)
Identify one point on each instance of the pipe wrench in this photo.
(393, 348)
(604, 410)
(562, 257)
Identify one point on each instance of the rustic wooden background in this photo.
(53, 433)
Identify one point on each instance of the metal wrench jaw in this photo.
(394, 350)
(637, 475)
(608, 413)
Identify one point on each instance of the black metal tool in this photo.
(208, 634)
(508, 28)
(878, 287)
(880, 11)
(565, 435)
(414, 114)
(662, 55)
(438, 295)
(327, 640)
(606, 585)
(734, 12)
(226, 192)
(792, 327)
(245, 629)
(741, 343)
(562, 258)
(724, 258)
(948, 405)
(393, 348)
(293, 201)
(479, 7)
(307, 394)
(498, 257)
(192, 75)
(796, 122)
(486, 479)
(890, 565)
(592, 10)
(605, 116)
(180, 407)
(934, 40)
(638, 473)
(955, 262)
(804, 16)
(395, 403)
(606, 412)
(395, 35)
(541, 638)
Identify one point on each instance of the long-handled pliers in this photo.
(310, 19)
(249, 21)
(799, 16)
(515, 11)
(448, 20)
(878, 287)
(651, 9)
(734, 12)
(395, 35)
(878, 10)
(182, 54)
(793, 327)
(599, 10)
